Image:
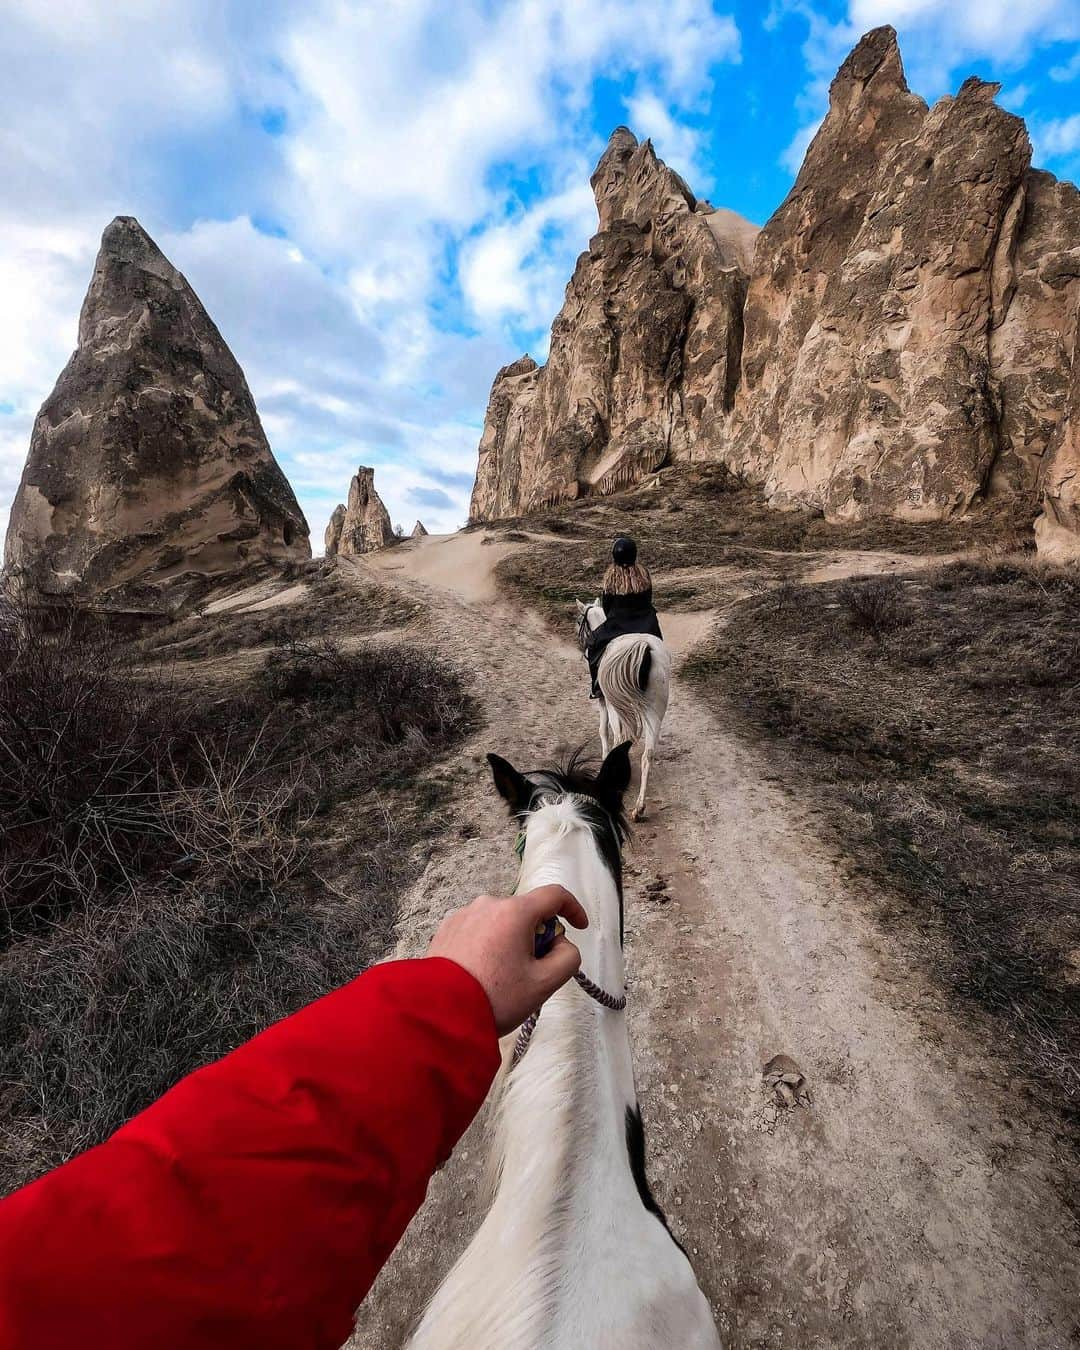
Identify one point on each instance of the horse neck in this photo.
(561, 849)
(569, 1092)
(559, 1153)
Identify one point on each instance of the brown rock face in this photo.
(147, 462)
(364, 525)
(332, 538)
(644, 353)
(1058, 528)
(1031, 350)
(907, 344)
(867, 384)
(418, 531)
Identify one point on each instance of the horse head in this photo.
(590, 617)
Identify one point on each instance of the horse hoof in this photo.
(639, 814)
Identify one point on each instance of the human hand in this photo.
(492, 938)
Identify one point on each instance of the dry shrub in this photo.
(947, 757)
(874, 605)
(162, 856)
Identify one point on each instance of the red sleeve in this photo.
(254, 1204)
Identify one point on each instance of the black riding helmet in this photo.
(624, 552)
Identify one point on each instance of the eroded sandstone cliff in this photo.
(896, 357)
(364, 524)
(906, 346)
(644, 354)
(148, 467)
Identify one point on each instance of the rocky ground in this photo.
(916, 1199)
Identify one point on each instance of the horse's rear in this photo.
(635, 683)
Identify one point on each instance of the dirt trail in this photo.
(914, 1203)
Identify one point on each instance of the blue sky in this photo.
(379, 205)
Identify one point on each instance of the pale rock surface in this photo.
(906, 346)
(867, 386)
(332, 538)
(1031, 350)
(149, 473)
(1057, 529)
(644, 354)
(418, 531)
(364, 525)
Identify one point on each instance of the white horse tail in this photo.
(624, 678)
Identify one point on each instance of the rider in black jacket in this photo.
(627, 602)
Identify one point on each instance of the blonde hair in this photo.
(633, 580)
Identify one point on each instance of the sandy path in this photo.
(914, 1203)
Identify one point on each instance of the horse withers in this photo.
(634, 678)
(574, 1250)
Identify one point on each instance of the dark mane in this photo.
(603, 812)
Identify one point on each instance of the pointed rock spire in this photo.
(418, 531)
(631, 184)
(147, 461)
(364, 525)
(332, 538)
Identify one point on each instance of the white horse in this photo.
(635, 682)
(574, 1251)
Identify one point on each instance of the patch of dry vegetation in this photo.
(939, 717)
(172, 864)
(348, 604)
(703, 519)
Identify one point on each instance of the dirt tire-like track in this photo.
(914, 1204)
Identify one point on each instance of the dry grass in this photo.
(171, 867)
(704, 519)
(348, 604)
(938, 718)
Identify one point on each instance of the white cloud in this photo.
(1068, 70)
(518, 269)
(676, 143)
(1015, 97)
(397, 126)
(1057, 137)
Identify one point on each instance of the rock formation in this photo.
(332, 538)
(363, 525)
(418, 530)
(867, 377)
(148, 468)
(644, 353)
(906, 346)
(1058, 528)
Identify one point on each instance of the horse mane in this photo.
(580, 775)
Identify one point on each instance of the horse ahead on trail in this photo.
(634, 680)
(574, 1251)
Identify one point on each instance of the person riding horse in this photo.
(627, 604)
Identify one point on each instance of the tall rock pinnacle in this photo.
(644, 353)
(907, 346)
(147, 462)
(362, 526)
(867, 385)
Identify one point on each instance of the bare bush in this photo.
(947, 761)
(874, 605)
(162, 861)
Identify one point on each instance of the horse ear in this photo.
(581, 609)
(512, 786)
(614, 776)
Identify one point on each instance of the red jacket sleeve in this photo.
(254, 1204)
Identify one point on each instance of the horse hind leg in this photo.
(605, 745)
(648, 745)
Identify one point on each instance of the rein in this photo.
(584, 632)
(614, 1002)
